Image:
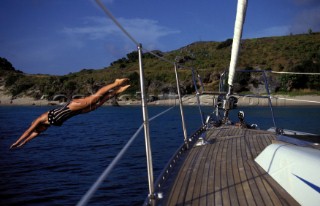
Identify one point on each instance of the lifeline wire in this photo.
(298, 100)
(85, 199)
(295, 73)
(276, 98)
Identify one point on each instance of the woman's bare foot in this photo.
(120, 82)
(122, 89)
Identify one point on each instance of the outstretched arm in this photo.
(34, 130)
(25, 140)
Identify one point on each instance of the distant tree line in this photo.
(133, 57)
(297, 53)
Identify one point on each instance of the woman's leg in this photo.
(79, 104)
(105, 98)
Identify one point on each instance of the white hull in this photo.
(295, 168)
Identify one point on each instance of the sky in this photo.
(65, 36)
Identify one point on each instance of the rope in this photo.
(298, 100)
(295, 73)
(85, 199)
(272, 97)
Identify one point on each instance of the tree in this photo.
(133, 56)
(11, 79)
(225, 44)
(134, 82)
(70, 86)
(6, 65)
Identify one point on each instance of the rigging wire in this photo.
(86, 198)
(159, 57)
(109, 14)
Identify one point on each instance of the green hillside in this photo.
(299, 53)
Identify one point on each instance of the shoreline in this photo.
(189, 100)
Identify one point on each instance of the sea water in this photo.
(58, 167)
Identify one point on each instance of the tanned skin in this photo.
(82, 105)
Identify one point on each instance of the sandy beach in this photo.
(279, 100)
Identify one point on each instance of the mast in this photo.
(241, 12)
(238, 27)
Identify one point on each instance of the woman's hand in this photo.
(122, 89)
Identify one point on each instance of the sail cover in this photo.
(241, 12)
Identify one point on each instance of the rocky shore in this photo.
(279, 100)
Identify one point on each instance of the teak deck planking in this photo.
(224, 172)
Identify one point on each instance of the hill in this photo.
(299, 53)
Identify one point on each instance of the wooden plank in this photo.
(206, 194)
(192, 186)
(201, 178)
(188, 184)
(217, 179)
(212, 175)
(231, 155)
(243, 173)
(260, 142)
(264, 188)
(236, 167)
(247, 156)
(179, 186)
(277, 194)
(258, 181)
(224, 173)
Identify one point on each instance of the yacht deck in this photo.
(224, 172)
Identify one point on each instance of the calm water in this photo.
(58, 167)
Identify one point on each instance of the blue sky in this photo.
(63, 36)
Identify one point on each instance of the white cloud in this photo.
(308, 16)
(307, 19)
(306, 2)
(146, 31)
(103, 2)
(271, 31)
(108, 1)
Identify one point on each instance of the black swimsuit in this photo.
(59, 115)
